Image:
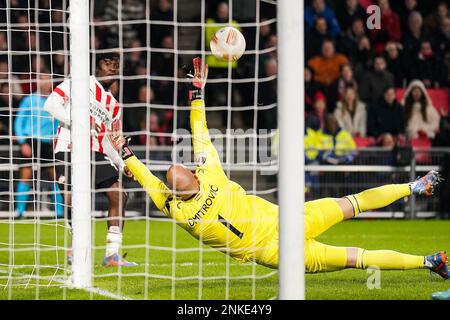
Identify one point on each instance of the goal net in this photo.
(156, 41)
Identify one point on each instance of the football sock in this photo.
(388, 260)
(335, 258)
(113, 240)
(22, 196)
(378, 197)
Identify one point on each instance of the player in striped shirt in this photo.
(107, 164)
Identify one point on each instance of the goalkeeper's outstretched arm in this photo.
(155, 188)
(204, 150)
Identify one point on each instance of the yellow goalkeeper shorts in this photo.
(320, 215)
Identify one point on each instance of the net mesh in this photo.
(156, 41)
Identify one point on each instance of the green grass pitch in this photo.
(179, 274)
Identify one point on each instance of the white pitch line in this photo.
(190, 264)
(68, 285)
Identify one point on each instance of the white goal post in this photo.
(41, 257)
(291, 160)
(81, 154)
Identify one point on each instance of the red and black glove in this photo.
(119, 142)
(198, 79)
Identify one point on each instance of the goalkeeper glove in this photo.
(198, 79)
(119, 142)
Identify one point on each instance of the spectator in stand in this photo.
(414, 35)
(351, 113)
(317, 9)
(218, 68)
(442, 139)
(265, 31)
(442, 39)
(267, 119)
(312, 145)
(5, 111)
(132, 116)
(162, 63)
(429, 68)
(150, 136)
(320, 108)
(3, 41)
(134, 57)
(311, 88)
(350, 40)
(312, 141)
(348, 11)
(396, 64)
(434, 20)
(373, 86)
(404, 9)
(338, 146)
(363, 60)
(315, 37)
(327, 65)
(390, 28)
(422, 118)
(337, 89)
(153, 137)
(162, 12)
(386, 116)
(12, 79)
(130, 10)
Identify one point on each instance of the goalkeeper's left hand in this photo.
(198, 79)
(120, 143)
(115, 135)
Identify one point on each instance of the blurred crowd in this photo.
(353, 74)
(376, 84)
(151, 87)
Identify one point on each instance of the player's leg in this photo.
(26, 174)
(322, 214)
(47, 158)
(58, 199)
(383, 196)
(107, 180)
(320, 257)
(394, 260)
(63, 179)
(23, 189)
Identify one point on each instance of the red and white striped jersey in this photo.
(104, 110)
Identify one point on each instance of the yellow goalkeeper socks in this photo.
(378, 197)
(388, 260)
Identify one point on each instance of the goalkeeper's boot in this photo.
(438, 263)
(115, 260)
(444, 295)
(426, 184)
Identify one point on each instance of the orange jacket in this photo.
(327, 69)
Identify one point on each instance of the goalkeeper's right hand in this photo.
(119, 142)
(198, 79)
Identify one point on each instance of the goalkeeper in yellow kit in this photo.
(218, 212)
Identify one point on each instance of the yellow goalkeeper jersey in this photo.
(221, 215)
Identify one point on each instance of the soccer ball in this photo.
(228, 44)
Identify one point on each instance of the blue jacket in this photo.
(328, 14)
(32, 122)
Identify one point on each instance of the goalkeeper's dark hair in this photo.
(114, 56)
